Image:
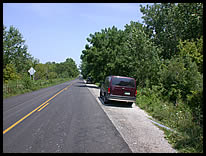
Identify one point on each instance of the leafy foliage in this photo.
(165, 56)
(17, 61)
(179, 77)
(9, 73)
(193, 49)
(115, 52)
(167, 23)
(15, 50)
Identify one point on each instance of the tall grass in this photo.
(16, 87)
(188, 134)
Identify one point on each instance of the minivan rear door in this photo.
(123, 86)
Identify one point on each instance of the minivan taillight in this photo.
(108, 90)
(136, 93)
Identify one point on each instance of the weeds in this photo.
(16, 87)
(188, 134)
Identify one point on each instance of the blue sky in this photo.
(56, 31)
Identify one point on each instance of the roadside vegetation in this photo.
(16, 87)
(17, 61)
(165, 56)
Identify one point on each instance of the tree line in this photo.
(17, 60)
(166, 50)
(164, 53)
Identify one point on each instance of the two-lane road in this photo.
(61, 118)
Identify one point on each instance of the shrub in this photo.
(179, 76)
(27, 83)
(9, 73)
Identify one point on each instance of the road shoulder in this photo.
(135, 127)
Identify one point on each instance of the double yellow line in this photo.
(39, 108)
(43, 107)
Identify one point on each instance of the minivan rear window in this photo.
(123, 82)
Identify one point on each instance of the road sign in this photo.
(31, 71)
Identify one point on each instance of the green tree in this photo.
(15, 50)
(115, 52)
(167, 23)
(194, 49)
(41, 71)
(142, 55)
(67, 69)
(98, 58)
(9, 73)
(51, 70)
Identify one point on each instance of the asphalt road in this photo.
(62, 118)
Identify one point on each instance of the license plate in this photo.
(127, 93)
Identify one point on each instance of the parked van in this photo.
(118, 88)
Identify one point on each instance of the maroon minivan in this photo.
(118, 88)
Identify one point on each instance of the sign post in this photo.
(31, 72)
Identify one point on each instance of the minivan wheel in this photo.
(105, 99)
(130, 103)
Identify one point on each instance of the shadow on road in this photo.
(82, 82)
(88, 86)
(111, 103)
(115, 104)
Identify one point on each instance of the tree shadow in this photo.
(115, 104)
(88, 86)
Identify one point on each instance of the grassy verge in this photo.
(187, 136)
(98, 84)
(17, 87)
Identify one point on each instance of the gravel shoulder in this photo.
(134, 125)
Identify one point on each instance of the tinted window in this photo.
(123, 82)
(107, 80)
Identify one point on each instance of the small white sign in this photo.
(31, 71)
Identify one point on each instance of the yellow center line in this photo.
(46, 102)
(43, 107)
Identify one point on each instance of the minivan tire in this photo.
(130, 104)
(105, 100)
